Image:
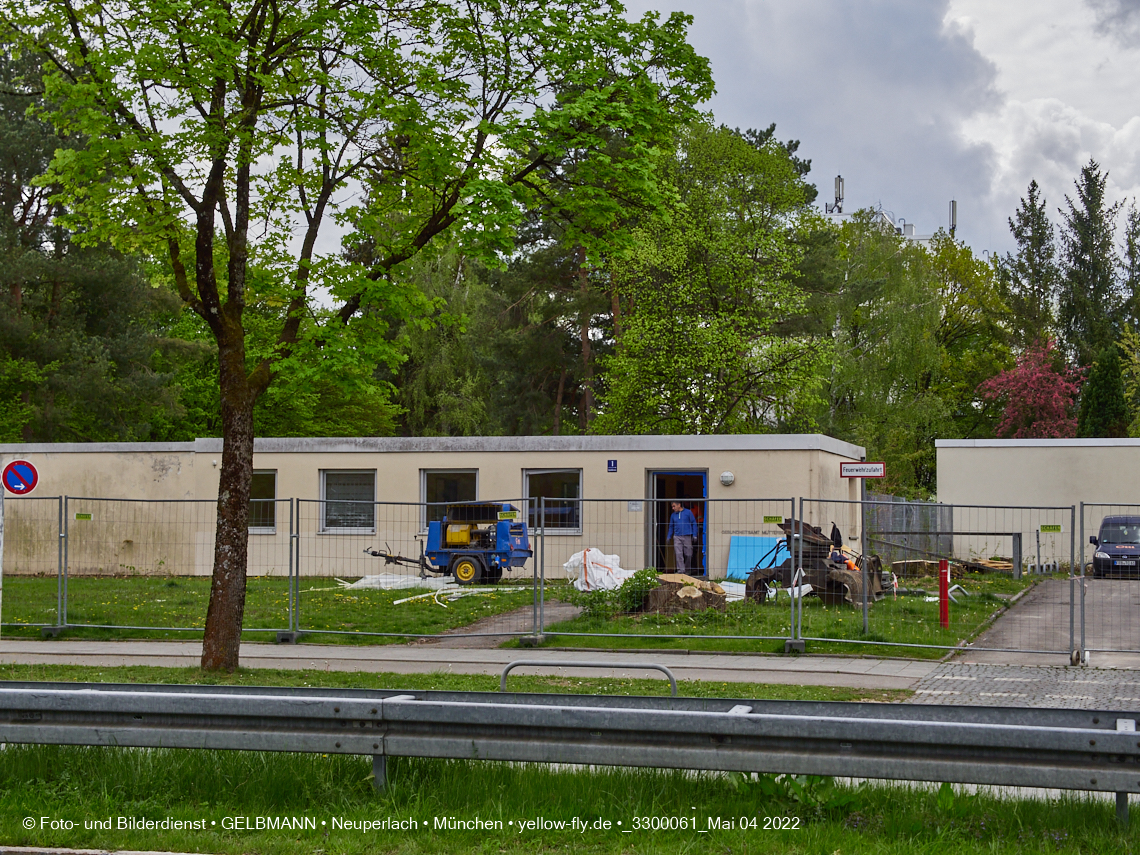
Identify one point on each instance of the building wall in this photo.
(168, 525)
(1038, 471)
(1043, 472)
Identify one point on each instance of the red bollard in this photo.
(944, 593)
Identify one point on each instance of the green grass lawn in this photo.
(333, 613)
(442, 682)
(180, 601)
(84, 786)
(892, 621)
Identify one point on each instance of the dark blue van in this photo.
(1117, 547)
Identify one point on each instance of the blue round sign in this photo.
(20, 477)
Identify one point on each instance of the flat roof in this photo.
(1038, 443)
(507, 444)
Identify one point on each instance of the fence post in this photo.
(796, 644)
(863, 550)
(62, 541)
(542, 562)
(62, 614)
(534, 567)
(289, 580)
(1082, 655)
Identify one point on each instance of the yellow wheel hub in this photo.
(466, 569)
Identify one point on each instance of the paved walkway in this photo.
(1030, 686)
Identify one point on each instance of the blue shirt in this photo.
(682, 523)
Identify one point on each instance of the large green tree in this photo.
(1030, 278)
(702, 294)
(230, 137)
(915, 330)
(84, 337)
(1089, 294)
(1130, 269)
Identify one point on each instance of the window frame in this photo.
(550, 470)
(262, 529)
(324, 527)
(438, 471)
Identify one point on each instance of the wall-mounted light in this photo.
(727, 478)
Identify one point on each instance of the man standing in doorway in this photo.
(682, 528)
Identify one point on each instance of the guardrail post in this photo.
(380, 772)
(1122, 809)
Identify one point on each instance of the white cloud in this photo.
(1068, 73)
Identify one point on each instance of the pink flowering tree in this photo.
(1040, 395)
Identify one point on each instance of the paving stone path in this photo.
(1030, 686)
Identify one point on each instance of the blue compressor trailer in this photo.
(474, 543)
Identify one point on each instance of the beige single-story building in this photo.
(1038, 471)
(149, 507)
(1104, 474)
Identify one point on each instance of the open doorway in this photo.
(690, 489)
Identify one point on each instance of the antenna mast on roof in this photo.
(837, 208)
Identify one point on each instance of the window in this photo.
(348, 500)
(562, 490)
(441, 486)
(263, 502)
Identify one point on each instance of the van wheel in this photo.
(466, 569)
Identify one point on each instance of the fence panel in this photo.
(731, 538)
(345, 591)
(33, 561)
(1011, 584)
(1110, 583)
(146, 564)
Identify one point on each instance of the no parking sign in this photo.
(20, 477)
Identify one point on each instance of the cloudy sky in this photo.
(916, 102)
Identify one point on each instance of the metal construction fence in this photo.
(1022, 578)
(1110, 584)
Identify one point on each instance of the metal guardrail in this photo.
(543, 663)
(1066, 749)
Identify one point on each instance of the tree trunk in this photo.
(586, 410)
(558, 403)
(222, 638)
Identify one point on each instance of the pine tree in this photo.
(1089, 296)
(1104, 410)
(1130, 268)
(1029, 279)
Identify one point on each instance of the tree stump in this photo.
(680, 593)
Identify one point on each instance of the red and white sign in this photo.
(862, 470)
(20, 477)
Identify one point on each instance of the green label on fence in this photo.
(769, 519)
(1051, 529)
(83, 516)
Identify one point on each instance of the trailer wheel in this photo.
(466, 569)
